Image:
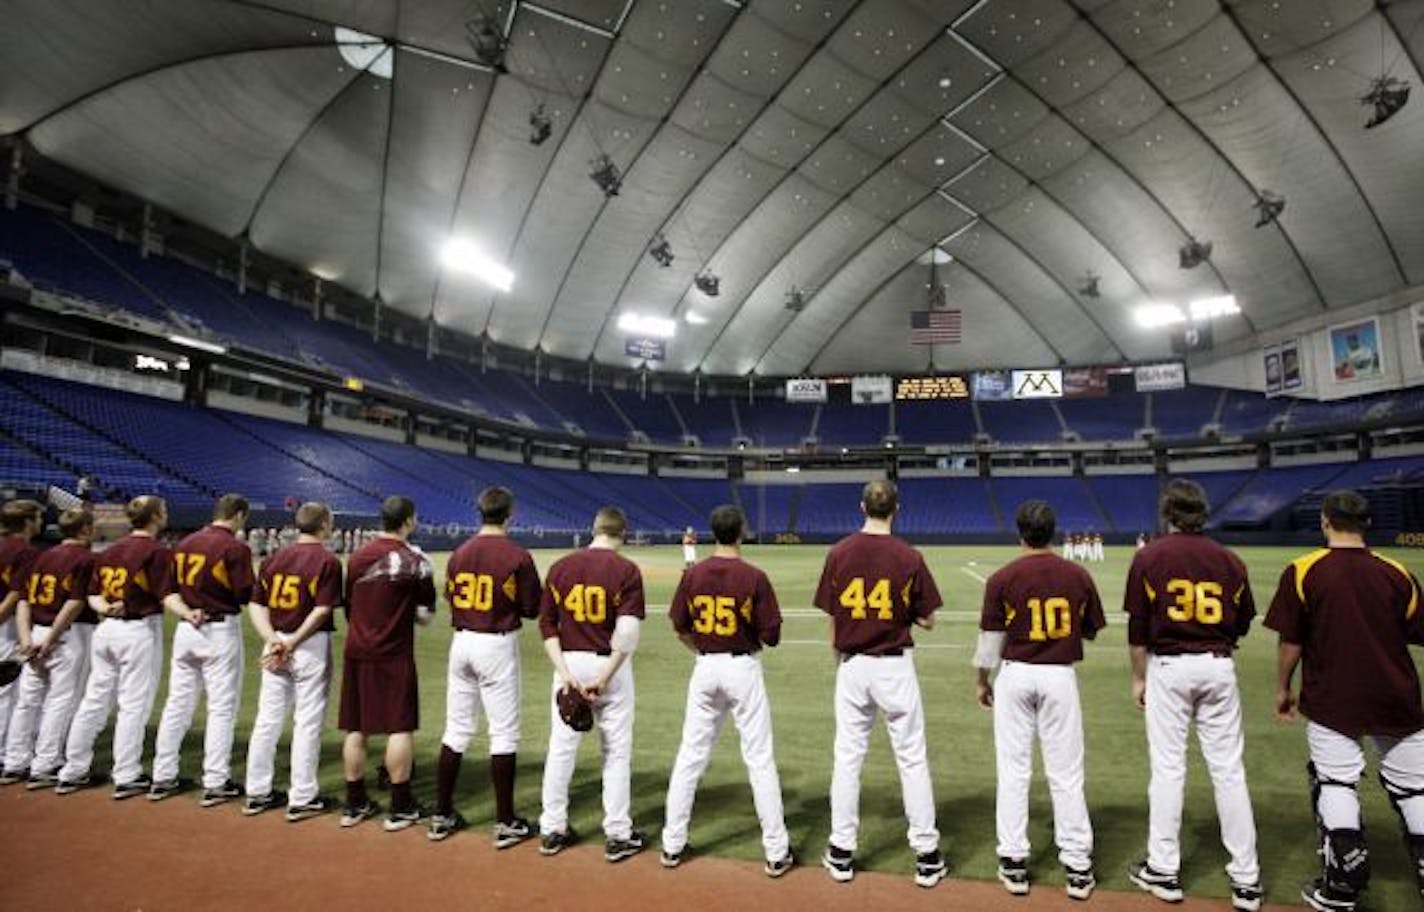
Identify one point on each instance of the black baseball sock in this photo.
(400, 797)
(356, 792)
(446, 770)
(501, 769)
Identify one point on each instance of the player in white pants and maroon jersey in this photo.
(53, 624)
(1188, 601)
(491, 585)
(20, 521)
(298, 588)
(1037, 612)
(1347, 616)
(875, 588)
(131, 587)
(725, 611)
(590, 617)
(213, 572)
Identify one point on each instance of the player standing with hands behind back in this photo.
(390, 587)
(1188, 601)
(1349, 615)
(298, 588)
(590, 618)
(875, 588)
(1037, 612)
(725, 611)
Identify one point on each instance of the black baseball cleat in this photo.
(400, 820)
(556, 842)
(1246, 897)
(1165, 887)
(1323, 896)
(12, 777)
(512, 833)
(167, 788)
(670, 859)
(306, 810)
(126, 790)
(615, 850)
(352, 814)
(839, 863)
(1013, 874)
(220, 794)
(781, 865)
(256, 804)
(41, 781)
(443, 826)
(70, 786)
(930, 868)
(1079, 884)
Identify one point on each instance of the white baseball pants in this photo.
(483, 675)
(866, 685)
(722, 685)
(1041, 701)
(1340, 758)
(613, 718)
(1200, 689)
(8, 693)
(46, 700)
(125, 658)
(206, 659)
(300, 689)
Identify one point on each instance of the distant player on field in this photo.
(876, 588)
(133, 583)
(1348, 615)
(390, 587)
(297, 592)
(213, 572)
(53, 623)
(590, 617)
(725, 611)
(1037, 611)
(491, 585)
(1188, 602)
(689, 548)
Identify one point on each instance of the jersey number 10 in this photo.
(1051, 618)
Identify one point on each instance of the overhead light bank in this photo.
(1155, 315)
(645, 325)
(460, 255)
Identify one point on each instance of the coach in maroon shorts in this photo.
(390, 587)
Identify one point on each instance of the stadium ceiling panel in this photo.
(1048, 146)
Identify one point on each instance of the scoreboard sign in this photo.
(946, 386)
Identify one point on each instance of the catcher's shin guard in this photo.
(1398, 795)
(1347, 860)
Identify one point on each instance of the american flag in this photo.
(935, 327)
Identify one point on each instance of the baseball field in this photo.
(800, 677)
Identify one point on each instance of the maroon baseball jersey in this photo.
(491, 583)
(726, 605)
(57, 576)
(874, 587)
(1354, 613)
(137, 571)
(386, 580)
(296, 580)
(213, 569)
(1046, 606)
(585, 594)
(16, 555)
(1187, 594)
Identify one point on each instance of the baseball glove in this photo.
(10, 670)
(575, 710)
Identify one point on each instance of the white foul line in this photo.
(974, 574)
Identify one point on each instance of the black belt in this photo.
(1219, 652)
(889, 653)
(734, 652)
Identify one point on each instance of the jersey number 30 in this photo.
(472, 590)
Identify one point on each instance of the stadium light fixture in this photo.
(199, 344)
(696, 319)
(462, 256)
(645, 325)
(1152, 316)
(1207, 308)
